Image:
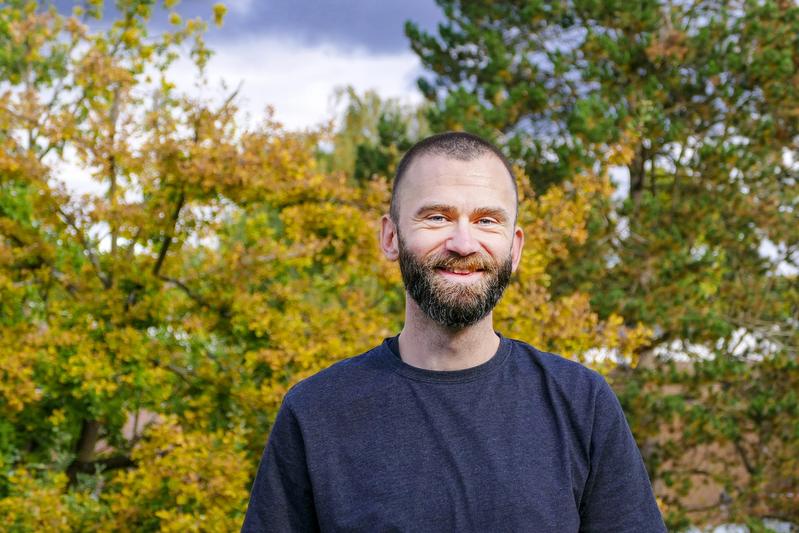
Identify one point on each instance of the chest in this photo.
(447, 458)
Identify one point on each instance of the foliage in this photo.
(692, 107)
(148, 332)
(373, 134)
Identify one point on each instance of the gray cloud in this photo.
(373, 26)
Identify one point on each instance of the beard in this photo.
(451, 304)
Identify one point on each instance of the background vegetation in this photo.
(148, 334)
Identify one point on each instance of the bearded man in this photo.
(450, 426)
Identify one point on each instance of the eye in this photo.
(485, 221)
(437, 218)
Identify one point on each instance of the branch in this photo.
(744, 457)
(114, 462)
(232, 96)
(70, 220)
(223, 310)
(19, 116)
(185, 288)
(71, 288)
(181, 372)
(51, 105)
(132, 243)
(699, 472)
(168, 238)
(89, 434)
(84, 448)
(112, 170)
(705, 508)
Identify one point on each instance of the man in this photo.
(449, 426)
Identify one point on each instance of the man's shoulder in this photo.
(572, 390)
(561, 371)
(345, 377)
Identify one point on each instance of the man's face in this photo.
(454, 305)
(455, 238)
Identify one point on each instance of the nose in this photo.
(462, 242)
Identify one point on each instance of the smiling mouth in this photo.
(458, 271)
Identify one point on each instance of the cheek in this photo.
(424, 243)
(498, 246)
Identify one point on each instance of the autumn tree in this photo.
(139, 367)
(692, 106)
(149, 329)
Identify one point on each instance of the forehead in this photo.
(433, 178)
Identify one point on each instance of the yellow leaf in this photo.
(219, 10)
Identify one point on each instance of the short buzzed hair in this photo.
(458, 145)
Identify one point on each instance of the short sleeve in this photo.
(281, 497)
(618, 495)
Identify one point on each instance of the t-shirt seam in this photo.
(598, 389)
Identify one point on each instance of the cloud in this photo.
(366, 25)
(299, 80)
(242, 7)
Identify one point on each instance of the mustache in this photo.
(471, 262)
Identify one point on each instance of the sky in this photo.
(293, 54)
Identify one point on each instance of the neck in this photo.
(426, 344)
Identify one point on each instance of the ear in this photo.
(516, 247)
(389, 238)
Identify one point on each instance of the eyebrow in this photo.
(497, 212)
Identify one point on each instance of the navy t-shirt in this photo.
(527, 441)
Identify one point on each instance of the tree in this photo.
(373, 134)
(148, 332)
(694, 101)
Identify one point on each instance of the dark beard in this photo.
(453, 305)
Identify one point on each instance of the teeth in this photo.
(460, 271)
